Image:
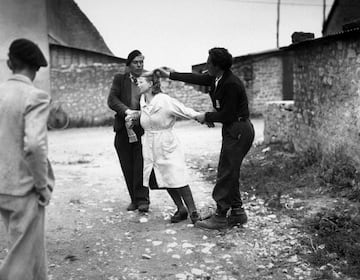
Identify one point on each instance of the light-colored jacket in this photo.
(161, 148)
(24, 110)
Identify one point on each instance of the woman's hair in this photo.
(221, 57)
(154, 77)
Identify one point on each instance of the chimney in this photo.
(298, 37)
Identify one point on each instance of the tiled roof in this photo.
(342, 12)
(69, 26)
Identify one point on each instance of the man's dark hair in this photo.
(18, 64)
(131, 56)
(221, 57)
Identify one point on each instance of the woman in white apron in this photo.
(162, 151)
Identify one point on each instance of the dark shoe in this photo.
(132, 207)
(195, 217)
(143, 208)
(237, 217)
(180, 215)
(214, 222)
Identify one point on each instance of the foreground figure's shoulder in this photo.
(39, 95)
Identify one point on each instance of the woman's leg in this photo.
(174, 194)
(186, 194)
(181, 213)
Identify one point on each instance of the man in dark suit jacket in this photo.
(124, 99)
(230, 102)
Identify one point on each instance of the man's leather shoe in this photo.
(237, 217)
(179, 215)
(216, 221)
(143, 208)
(132, 207)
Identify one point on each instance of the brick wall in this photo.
(327, 95)
(82, 91)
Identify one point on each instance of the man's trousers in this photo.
(131, 161)
(237, 139)
(24, 222)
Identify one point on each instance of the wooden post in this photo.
(278, 24)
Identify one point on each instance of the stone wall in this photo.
(327, 95)
(197, 100)
(279, 122)
(82, 92)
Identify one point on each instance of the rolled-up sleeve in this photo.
(179, 110)
(192, 78)
(35, 137)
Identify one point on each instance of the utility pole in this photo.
(324, 12)
(278, 23)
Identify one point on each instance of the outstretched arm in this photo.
(192, 78)
(179, 110)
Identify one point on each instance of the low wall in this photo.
(278, 122)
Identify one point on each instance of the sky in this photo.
(179, 33)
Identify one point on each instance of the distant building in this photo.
(59, 27)
(344, 15)
(73, 39)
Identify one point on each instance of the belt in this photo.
(242, 119)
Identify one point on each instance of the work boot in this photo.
(237, 217)
(216, 221)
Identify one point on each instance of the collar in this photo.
(217, 79)
(21, 78)
(133, 78)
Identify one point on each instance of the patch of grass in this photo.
(340, 175)
(272, 172)
(336, 238)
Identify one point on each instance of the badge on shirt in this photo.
(217, 104)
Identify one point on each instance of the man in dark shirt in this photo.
(230, 102)
(124, 99)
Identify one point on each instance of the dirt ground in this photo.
(90, 235)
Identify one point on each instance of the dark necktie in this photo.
(135, 81)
